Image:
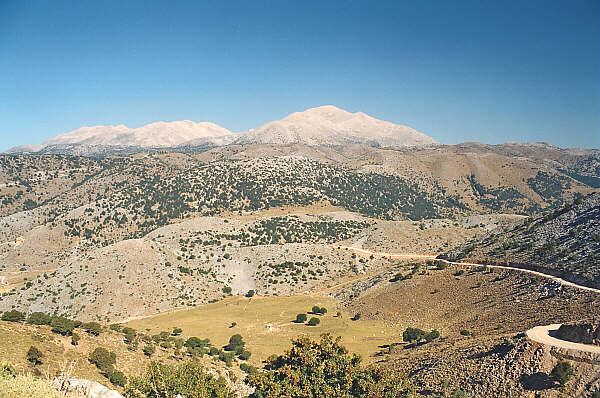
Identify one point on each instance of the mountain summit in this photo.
(325, 125)
(329, 125)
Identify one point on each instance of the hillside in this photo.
(564, 241)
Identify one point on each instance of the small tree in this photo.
(244, 355)
(314, 321)
(235, 343)
(562, 372)
(176, 331)
(103, 359)
(148, 350)
(13, 316)
(250, 293)
(34, 356)
(413, 335)
(39, 318)
(227, 290)
(434, 334)
(63, 326)
(75, 339)
(93, 328)
(117, 378)
(301, 318)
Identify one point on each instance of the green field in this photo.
(266, 324)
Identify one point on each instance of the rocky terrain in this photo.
(564, 241)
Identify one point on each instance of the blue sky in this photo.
(457, 71)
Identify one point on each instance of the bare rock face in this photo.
(87, 388)
(580, 333)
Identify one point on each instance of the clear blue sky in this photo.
(490, 71)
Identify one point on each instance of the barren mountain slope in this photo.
(564, 241)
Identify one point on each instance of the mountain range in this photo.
(325, 125)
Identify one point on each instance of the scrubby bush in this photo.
(319, 310)
(244, 355)
(117, 378)
(75, 339)
(34, 355)
(356, 317)
(324, 369)
(250, 293)
(148, 350)
(39, 318)
(115, 327)
(93, 328)
(434, 334)
(176, 332)
(562, 372)
(313, 321)
(247, 368)
(413, 335)
(63, 326)
(188, 379)
(301, 318)
(103, 359)
(7, 370)
(13, 316)
(227, 290)
(235, 343)
(458, 393)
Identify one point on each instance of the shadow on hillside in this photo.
(537, 381)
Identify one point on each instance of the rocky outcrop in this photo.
(584, 333)
(84, 388)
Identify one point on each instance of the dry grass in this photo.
(266, 324)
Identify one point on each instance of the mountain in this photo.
(155, 135)
(325, 125)
(329, 125)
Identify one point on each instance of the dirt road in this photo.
(432, 256)
(541, 334)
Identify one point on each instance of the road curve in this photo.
(541, 334)
(505, 267)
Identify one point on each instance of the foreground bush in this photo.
(26, 387)
(166, 381)
(562, 372)
(325, 369)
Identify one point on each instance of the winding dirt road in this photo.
(505, 267)
(542, 334)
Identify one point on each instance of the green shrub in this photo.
(34, 355)
(63, 326)
(247, 368)
(188, 379)
(75, 339)
(434, 334)
(7, 370)
(118, 378)
(39, 318)
(235, 342)
(13, 316)
(458, 393)
(562, 372)
(176, 331)
(148, 350)
(413, 335)
(301, 318)
(356, 317)
(325, 369)
(115, 327)
(250, 293)
(244, 355)
(103, 359)
(313, 321)
(93, 328)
